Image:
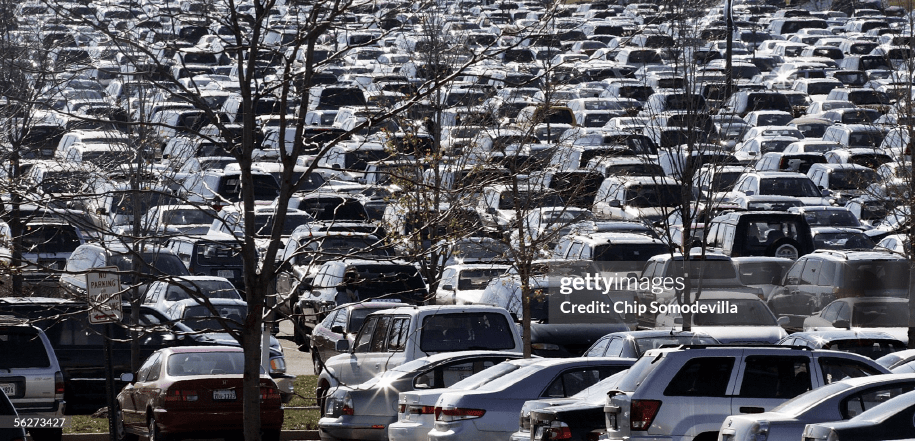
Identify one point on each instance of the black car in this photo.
(9, 433)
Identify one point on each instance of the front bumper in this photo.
(361, 427)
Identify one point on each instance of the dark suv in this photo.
(760, 233)
(817, 279)
(746, 101)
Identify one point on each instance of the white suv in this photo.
(30, 375)
(685, 393)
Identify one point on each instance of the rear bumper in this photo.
(369, 428)
(196, 421)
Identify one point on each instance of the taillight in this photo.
(456, 414)
(58, 383)
(181, 395)
(347, 408)
(642, 413)
(277, 365)
(402, 408)
(421, 410)
(558, 430)
(269, 393)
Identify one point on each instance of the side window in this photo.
(775, 377)
(811, 272)
(597, 350)
(793, 277)
(154, 370)
(844, 312)
(702, 377)
(728, 234)
(397, 337)
(448, 277)
(827, 273)
(616, 347)
(574, 381)
(340, 318)
(714, 239)
(864, 400)
(835, 369)
(329, 320)
(364, 339)
(143, 372)
(574, 250)
(831, 311)
(378, 340)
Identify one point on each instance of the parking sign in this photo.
(104, 288)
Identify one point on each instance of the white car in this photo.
(463, 284)
(833, 402)
(731, 317)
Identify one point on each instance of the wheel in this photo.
(154, 433)
(296, 333)
(121, 431)
(786, 248)
(316, 359)
(320, 394)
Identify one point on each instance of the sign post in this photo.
(103, 287)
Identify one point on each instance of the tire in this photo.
(154, 433)
(121, 433)
(316, 359)
(320, 395)
(784, 248)
(296, 333)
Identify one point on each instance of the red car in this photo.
(192, 392)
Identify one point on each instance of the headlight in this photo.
(277, 365)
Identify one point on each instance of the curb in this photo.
(286, 435)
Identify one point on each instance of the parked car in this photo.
(871, 344)
(765, 273)
(464, 284)
(889, 420)
(199, 395)
(729, 317)
(341, 323)
(363, 411)
(886, 314)
(837, 401)
(392, 337)
(489, 412)
(687, 392)
(8, 411)
(32, 380)
(633, 344)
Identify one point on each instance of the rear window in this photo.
(639, 372)
(22, 348)
(463, 332)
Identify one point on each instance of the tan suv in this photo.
(30, 375)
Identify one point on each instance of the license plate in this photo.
(225, 273)
(227, 394)
(8, 388)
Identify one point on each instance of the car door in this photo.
(769, 380)
(396, 342)
(351, 370)
(131, 409)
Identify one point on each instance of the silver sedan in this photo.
(838, 401)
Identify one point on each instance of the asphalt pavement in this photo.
(298, 362)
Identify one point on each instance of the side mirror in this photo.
(842, 324)
(615, 203)
(342, 345)
(127, 377)
(338, 329)
(448, 287)
(783, 321)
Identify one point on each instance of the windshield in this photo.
(528, 200)
(206, 363)
(880, 315)
(188, 216)
(477, 278)
(831, 218)
(651, 195)
(797, 187)
(200, 318)
(842, 241)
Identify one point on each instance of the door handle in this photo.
(749, 409)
